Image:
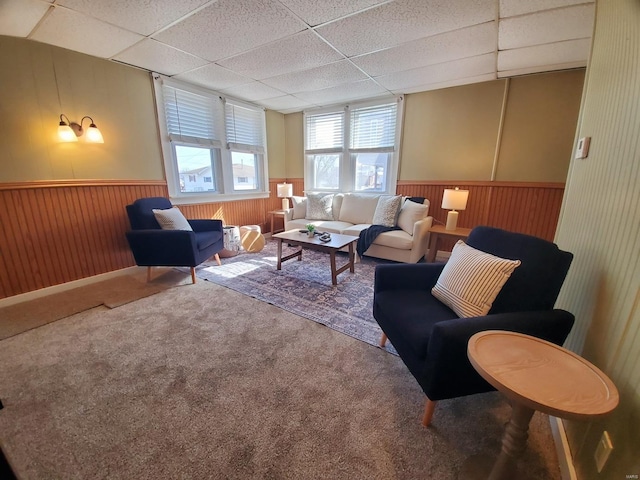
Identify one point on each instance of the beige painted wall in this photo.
(454, 133)
(276, 144)
(39, 82)
(600, 224)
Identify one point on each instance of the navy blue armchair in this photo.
(154, 247)
(430, 338)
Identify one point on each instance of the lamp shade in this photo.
(285, 190)
(94, 135)
(66, 134)
(455, 199)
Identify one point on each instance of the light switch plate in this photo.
(603, 450)
(582, 149)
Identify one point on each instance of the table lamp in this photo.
(454, 199)
(285, 190)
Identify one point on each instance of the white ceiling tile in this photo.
(75, 31)
(343, 92)
(546, 27)
(229, 27)
(253, 91)
(467, 42)
(316, 12)
(144, 17)
(298, 52)
(402, 21)
(442, 72)
(287, 102)
(214, 77)
(317, 78)
(510, 8)
(571, 51)
(158, 57)
(447, 84)
(18, 17)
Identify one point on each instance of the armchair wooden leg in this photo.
(429, 407)
(193, 274)
(217, 257)
(383, 340)
(148, 274)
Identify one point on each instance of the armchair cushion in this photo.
(471, 280)
(171, 219)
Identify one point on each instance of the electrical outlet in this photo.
(603, 450)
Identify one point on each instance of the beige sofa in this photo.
(351, 213)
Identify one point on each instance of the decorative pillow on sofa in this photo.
(299, 207)
(171, 219)
(410, 213)
(387, 210)
(471, 280)
(319, 206)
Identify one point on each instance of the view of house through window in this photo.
(195, 167)
(352, 148)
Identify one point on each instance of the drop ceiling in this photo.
(291, 55)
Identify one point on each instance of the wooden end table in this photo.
(273, 214)
(534, 375)
(294, 237)
(439, 231)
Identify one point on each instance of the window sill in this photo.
(216, 198)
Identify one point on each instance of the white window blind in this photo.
(325, 132)
(244, 128)
(374, 128)
(193, 118)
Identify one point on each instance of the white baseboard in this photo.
(562, 449)
(24, 297)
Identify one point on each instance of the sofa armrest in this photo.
(420, 238)
(212, 225)
(412, 276)
(448, 372)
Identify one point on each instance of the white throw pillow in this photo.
(319, 206)
(410, 213)
(299, 207)
(471, 280)
(387, 210)
(171, 219)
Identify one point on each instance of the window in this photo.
(212, 146)
(353, 148)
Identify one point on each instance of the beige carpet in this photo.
(201, 382)
(112, 293)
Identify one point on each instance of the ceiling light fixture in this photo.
(70, 131)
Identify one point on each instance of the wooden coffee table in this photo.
(294, 237)
(534, 375)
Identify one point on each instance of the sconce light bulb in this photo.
(66, 134)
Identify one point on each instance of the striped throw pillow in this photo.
(471, 280)
(171, 219)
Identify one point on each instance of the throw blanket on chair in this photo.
(368, 235)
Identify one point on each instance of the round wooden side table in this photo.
(535, 375)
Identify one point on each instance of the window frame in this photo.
(347, 155)
(222, 168)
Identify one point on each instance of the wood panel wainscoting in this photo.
(531, 208)
(54, 232)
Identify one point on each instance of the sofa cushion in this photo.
(358, 208)
(410, 213)
(387, 209)
(319, 206)
(471, 280)
(331, 226)
(355, 229)
(299, 207)
(171, 219)
(395, 239)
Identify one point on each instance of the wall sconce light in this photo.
(285, 190)
(454, 200)
(70, 131)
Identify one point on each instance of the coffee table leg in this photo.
(279, 254)
(334, 275)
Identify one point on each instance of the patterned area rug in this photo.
(305, 288)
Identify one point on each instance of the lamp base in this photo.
(285, 204)
(452, 220)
